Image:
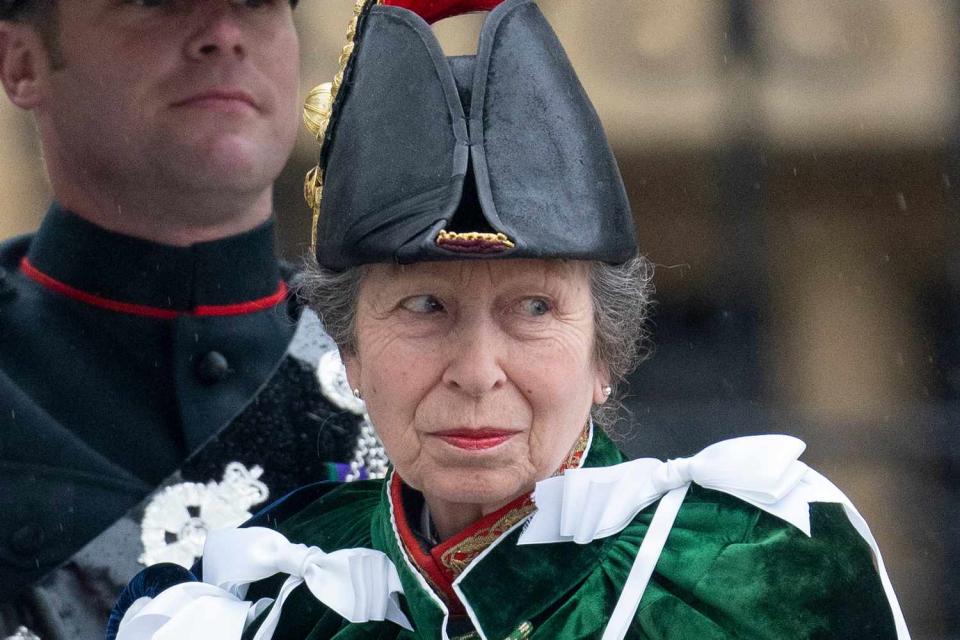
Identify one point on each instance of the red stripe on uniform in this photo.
(244, 307)
(145, 310)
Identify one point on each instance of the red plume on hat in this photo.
(433, 10)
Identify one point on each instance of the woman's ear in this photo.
(24, 64)
(601, 385)
(351, 363)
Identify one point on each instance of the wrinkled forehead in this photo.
(479, 275)
(10, 9)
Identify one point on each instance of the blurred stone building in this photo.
(793, 166)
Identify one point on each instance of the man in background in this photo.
(146, 329)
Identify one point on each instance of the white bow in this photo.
(359, 584)
(590, 503)
(585, 504)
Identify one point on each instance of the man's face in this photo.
(187, 94)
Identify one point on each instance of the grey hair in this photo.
(621, 296)
(333, 296)
(621, 304)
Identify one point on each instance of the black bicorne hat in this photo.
(497, 155)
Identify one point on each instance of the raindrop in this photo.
(901, 201)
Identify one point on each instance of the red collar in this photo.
(230, 276)
(92, 299)
(444, 562)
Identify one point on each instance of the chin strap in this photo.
(362, 585)
(586, 504)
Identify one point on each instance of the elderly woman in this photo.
(476, 265)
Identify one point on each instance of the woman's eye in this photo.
(535, 306)
(422, 304)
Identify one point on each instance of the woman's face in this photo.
(479, 376)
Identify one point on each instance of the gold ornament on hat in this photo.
(474, 241)
(312, 193)
(317, 110)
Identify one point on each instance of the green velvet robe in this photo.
(728, 570)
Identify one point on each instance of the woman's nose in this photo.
(474, 365)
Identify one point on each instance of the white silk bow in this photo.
(585, 504)
(589, 503)
(359, 584)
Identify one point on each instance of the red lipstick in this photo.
(475, 439)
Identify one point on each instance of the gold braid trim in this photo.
(457, 557)
(474, 240)
(520, 633)
(317, 111)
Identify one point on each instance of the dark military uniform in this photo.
(119, 358)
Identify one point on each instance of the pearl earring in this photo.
(607, 390)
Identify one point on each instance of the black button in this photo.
(27, 540)
(213, 367)
(7, 291)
